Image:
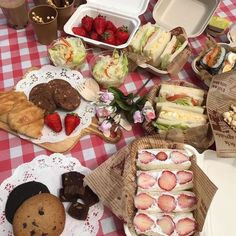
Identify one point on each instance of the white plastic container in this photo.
(192, 15)
(122, 12)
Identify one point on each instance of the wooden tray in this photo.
(67, 144)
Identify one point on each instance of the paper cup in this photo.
(79, 2)
(64, 13)
(40, 2)
(15, 13)
(46, 32)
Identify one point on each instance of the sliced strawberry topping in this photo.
(143, 222)
(167, 180)
(178, 157)
(186, 226)
(186, 201)
(166, 203)
(161, 156)
(146, 157)
(184, 176)
(143, 201)
(166, 224)
(145, 180)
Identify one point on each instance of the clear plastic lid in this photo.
(130, 7)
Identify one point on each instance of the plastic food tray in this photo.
(120, 12)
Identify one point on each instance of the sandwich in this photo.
(173, 48)
(186, 96)
(170, 118)
(158, 45)
(141, 37)
(155, 46)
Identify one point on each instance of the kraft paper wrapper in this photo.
(115, 181)
(175, 66)
(222, 93)
(204, 75)
(200, 137)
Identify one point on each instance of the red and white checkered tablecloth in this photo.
(19, 51)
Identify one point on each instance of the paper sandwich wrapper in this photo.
(115, 181)
(221, 94)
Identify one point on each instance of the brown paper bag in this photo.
(115, 181)
(221, 95)
(200, 137)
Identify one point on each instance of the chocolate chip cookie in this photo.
(40, 215)
(21, 193)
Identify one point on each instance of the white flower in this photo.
(138, 117)
(148, 111)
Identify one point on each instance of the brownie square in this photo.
(89, 197)
(78, 211)
(66, 197)
(72, 178)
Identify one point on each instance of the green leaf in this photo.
(123, 105)
(117, 93)
(141, 101)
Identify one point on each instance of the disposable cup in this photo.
(45, 31)
(64, 13)
(15, 13)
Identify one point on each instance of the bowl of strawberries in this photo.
(105, 26)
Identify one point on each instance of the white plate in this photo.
(222, 172)
(48, 170)
(86, 110)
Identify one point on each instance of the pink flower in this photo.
(138, 117)
(106, 97)
(104, 111)
(150, 115)
(105, 128)
(148, 111)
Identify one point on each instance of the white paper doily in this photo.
(48, 170)
(46, 73)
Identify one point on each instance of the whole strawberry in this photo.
(71, 121)
(122, 35)
(79, 31)
(94, 35)
(100, 24)
(111, 26)
(87, 23)
(53, 121)
(109, 37)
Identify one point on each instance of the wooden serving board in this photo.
(67, 144)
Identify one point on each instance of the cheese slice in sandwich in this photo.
(181, 95)
(141, 37)
(155, 46)
(170, 118)
(173, 48)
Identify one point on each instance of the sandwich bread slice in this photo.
(170, 118)
(155, 46)
(182, 95)
(173, 48)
